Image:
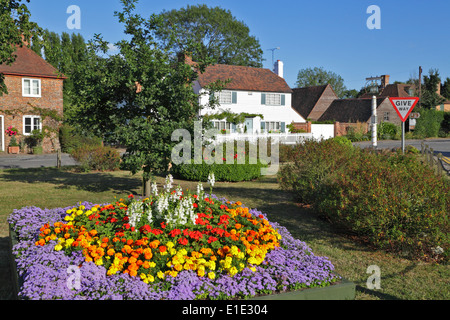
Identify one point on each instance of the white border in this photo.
(31, 88)
(32, 124)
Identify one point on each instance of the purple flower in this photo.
(45, 272)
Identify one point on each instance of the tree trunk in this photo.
(146, 182)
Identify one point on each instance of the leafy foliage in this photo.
(14, 23)
(219, 35)
(316, 76)
(391, 200)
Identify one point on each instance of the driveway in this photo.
(8, 161)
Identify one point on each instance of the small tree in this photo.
(139, 96)
(310, 77)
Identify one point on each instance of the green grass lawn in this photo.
(400, 278)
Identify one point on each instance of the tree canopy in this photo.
(430, 97)
(139, 96)
(316, 76)
(219, 34)
(14, 23)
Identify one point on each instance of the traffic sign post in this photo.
(403, 107)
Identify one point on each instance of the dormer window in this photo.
(31, 87)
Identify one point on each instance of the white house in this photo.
(253, 91)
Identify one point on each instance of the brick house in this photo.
(35, 96)
(312, 102)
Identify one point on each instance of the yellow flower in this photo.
(170, 245)
(69, 242)
(211, 275)
(99, 261)
(58, 247)
(160, 275)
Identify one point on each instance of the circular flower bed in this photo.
(168, 246)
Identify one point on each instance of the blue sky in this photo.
(328, 33)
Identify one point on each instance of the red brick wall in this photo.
(14, 106)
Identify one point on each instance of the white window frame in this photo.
(32, 124)
(273, 99)
(225, 97)
(38, 95)
(274, 126)
(222, 125)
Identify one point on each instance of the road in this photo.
(8, 161)
(438, 145)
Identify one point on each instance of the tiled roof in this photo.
(244, 78)
(398, 90)
(305, 99)
(350, 110)
(29, 63)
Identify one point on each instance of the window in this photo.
(386, 116)
(273, 126)
(222, 125)
(227, 97)
(273, 99)
(31, 87)
(31, 123)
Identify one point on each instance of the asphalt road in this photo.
(438, 145)
(34, 161)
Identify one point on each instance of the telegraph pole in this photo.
(420, 86)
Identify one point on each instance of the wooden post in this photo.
(439, 163)
(58, 159)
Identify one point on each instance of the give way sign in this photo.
(403, 106)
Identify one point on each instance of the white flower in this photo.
(169, 181)
(154, 189)
(135, 210)
(199, 188)
(211, 179)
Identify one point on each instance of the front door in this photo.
(248, 125)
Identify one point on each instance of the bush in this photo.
(429, 123)
(343, 140)
(70, 140)
(390, 199)
(97, 158)
(313, 163)
(387, 130)
(223, 172)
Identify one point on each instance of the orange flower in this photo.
(237, 226)
(154, 244)
(110, 252)
(130, 242)
(162, 249)
(105, 240)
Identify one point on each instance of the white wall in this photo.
(322, 131)
(250, 102)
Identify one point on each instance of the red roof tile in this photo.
(244, 78)
(29, 63)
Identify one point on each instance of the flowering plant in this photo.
(171, 245)
(11, 131)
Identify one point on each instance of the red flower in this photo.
(195, 205)
(130, 196)
(174, 233)
(163, 225)
(145, 229)
(183, 241)
(212, 239)
(127, 226)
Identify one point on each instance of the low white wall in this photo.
(322, 131)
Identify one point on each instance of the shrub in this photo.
(387, 130)
(392, 200)
(223, 172)
(70, 140)
(97, 158)
(313, 163)
(429, 123)
(343, 140)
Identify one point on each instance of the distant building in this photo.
(33, 84)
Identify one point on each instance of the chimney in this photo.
(384, 81)
(278, 68)
(438, 91)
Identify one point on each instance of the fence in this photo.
(282, 138)
(435, 160)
